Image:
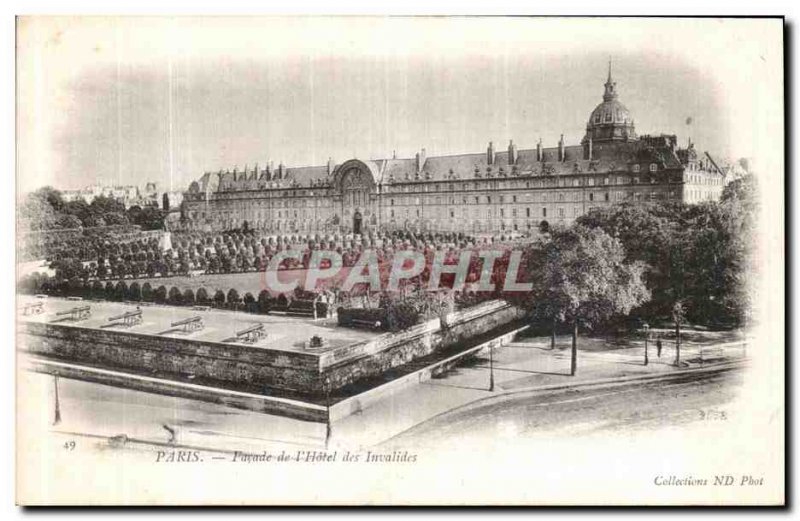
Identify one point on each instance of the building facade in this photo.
(495, 191)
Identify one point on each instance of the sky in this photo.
(131, 100)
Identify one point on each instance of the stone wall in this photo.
(284, 370)
(257, 368)
(376, 356)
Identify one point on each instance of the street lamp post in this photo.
(327, 412)
(57, 415)
(491, 369)
(646, 334)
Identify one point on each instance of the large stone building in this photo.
(498, 190)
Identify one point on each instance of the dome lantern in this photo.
(610, 120)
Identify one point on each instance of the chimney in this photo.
(421, 156)
(330, 165)
(539, 150)
(561, 155)
(590, 149)
(280, 170)
(490, 154)
(512, 153)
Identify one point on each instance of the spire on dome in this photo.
(611, 86)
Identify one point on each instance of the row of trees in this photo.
(45, 209)
(121, 291)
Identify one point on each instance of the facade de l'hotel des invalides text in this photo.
(496, 191)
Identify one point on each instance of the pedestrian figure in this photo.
(658, 346)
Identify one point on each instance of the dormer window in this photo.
(653, 167)
(635, 168)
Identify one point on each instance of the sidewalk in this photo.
(520, 365)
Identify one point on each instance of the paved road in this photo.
(685, 399)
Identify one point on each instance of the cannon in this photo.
(190, 325)
(76, 313)
(33, 309)
(252, 334)
(129, 318)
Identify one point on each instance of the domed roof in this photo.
(610, 120)
(611, 111)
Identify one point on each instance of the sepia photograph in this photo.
(400, 260)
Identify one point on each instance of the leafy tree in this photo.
(264, 301)
(650, 234)
(147, 292)
(110, 291)
(250, 302)
(120, 291)
(585, 280)
(51, 196)
(174, 296)
(115, 218)
(97, 290)
(233, 298)
(68, 221)
(160, 295)
(135, 292)
(149, 218)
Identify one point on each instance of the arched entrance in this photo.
(357, 219)
(356, 183)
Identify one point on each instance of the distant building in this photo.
(128, 195)
(511, 190)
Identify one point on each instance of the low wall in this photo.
(260, 369)
(376, 356)
(263, 368)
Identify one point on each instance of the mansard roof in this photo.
(606, 158)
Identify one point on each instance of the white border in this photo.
(606, 7)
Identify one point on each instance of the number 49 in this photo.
(70, 445)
